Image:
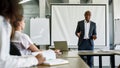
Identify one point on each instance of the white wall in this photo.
(31, 9)
(42, 6)
(116, 7)
(104, 2)
(105, 60)
(74, 1)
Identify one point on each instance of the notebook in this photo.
(51, 59)
(55, 62)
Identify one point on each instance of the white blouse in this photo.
(6, 60)
(22, 42)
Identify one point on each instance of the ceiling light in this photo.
(24, 1)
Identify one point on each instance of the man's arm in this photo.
(94, 33)
(77, 32)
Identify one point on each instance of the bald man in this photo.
(86, 33)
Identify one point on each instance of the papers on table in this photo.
(49, 54)
(50, 57)
(55, 62)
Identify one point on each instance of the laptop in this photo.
(62, 45)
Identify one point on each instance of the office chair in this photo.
(14, 50)
(62, 45)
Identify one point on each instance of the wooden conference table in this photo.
(74, 61)
(101, 53)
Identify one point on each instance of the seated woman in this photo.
(9, 11)
(22, 40)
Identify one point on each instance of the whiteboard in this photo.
(117, 32)
(64, 19)
(39, 31)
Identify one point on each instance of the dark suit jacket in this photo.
(80, 28)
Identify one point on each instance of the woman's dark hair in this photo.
(15, 25)
(10, 9)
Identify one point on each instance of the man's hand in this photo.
(94, 37)
(78, 34)
(40, 58)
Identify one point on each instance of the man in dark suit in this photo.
(86, 32)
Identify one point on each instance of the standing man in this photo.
(86, 32)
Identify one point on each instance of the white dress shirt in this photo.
(6, 60)
(87, 28)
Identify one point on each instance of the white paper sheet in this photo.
(50, 57)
